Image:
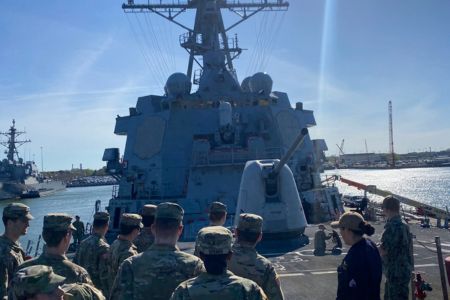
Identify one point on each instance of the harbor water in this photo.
(74, 201)
(428, 185)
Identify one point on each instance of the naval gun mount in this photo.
(268, 189)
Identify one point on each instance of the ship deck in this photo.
(305, 276)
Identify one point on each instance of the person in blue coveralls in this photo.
(359, 275)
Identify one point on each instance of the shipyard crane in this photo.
(341, 151)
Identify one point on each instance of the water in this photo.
(431, 185)
(74, 201)
(427, 185)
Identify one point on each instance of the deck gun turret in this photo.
(268, 189)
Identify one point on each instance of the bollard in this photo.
(441, 267)
(447, 266)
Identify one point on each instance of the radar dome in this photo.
(178, 84)
(245, 85)
(261, 83)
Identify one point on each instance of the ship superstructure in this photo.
(19, 178)
(191, 147)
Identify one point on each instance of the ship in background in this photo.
(19, 178)
(191, 147)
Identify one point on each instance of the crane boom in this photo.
(422, 207)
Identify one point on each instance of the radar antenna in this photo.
(12, 144)
(208, 38)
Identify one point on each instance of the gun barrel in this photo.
(298, 141)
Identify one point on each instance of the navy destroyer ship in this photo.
(191, 147)
(19, 178)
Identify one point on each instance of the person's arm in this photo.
(122, 288)
(272, 285)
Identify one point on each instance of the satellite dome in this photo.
(245, 85)
(178, 84)
(261, 83)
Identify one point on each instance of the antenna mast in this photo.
(208, 38)
(391, 138)
(12, 144)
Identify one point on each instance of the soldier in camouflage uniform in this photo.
(320, 238)
(81, 291)
(155, 273)
(395, 250)
(217, 216)
(247, 263)
(93, 253)
(123, 247)
(57, 234)
(145, 238)
(16, 217)
(79, 233)
(214, 244)
(37, 282)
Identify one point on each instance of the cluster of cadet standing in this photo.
(144, 261)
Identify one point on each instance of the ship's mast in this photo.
(208, 38)
(12, 143)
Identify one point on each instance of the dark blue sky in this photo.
(68, 68)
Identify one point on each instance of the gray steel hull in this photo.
(14, 190)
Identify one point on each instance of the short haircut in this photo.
(99, 223)
(127, 229)
(148, 220)
(166, 226)
(214, 264)
(53, 238)
(249, 237)
(5, 220)
(391, 203)
(216, 216)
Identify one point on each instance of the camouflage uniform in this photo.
(11, 254)
(30, 281)
(247, 263)
(216, 240)
(79, 233)
(214, 207)
(319, 241)
(82, 291)
(397, 264)
(60, 264)
(145, 239)
(155, 273)
(94, 257)
(121, 249)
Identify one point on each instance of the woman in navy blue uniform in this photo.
(359, 275)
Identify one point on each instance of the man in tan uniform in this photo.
(145, 238)
(16, 217)
(247, 263)
(93, 255)
(155, 273)
(57, 234)
(214, 244)
(123, 247)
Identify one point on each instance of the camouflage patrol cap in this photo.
(101, 215)
(58, 222)
(35, 279)
(148, 210)
(250, 222)
(81, 291)
(214, 240)
(217, 207)
(17, 210)
(131, 220)
(349, 220)
(168, 210)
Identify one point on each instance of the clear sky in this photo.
(67, 68)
